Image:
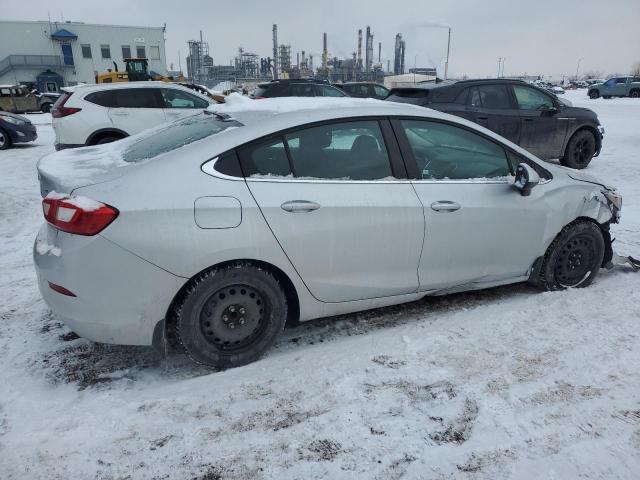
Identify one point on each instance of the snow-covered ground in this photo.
(503, 383)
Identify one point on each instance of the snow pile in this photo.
(241, 103)
(43, 248)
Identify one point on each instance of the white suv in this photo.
(103, 113)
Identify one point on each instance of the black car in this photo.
(365, 90)
(529, 116)
(297, 88)
(15, 129)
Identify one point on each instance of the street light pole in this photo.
(504, 59)
(499, 65)
(446, 64)
(578, 67)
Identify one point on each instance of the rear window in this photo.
(176, 135)
(415, 97)
(104, 99)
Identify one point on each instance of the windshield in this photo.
(176, 135)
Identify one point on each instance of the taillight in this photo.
(79, 215)
(59, 110)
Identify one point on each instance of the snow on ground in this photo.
(503, 383)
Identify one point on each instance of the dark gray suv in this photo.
(529, 116)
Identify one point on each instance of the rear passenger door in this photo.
(337, 199)
(136, 109)
(492, 107)
(303, 90)
(179, 104)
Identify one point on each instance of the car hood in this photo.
(13, 115)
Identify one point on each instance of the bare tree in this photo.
(593, 74)
(635, 70)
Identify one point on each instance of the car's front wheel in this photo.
(5, 140)
(574, 258)
(580, 150)
(230, 316)
(594, 94)
(46, 107)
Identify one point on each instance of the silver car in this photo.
(219, 229)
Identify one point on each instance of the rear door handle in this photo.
(300, 206)
(528, 119)
(445, 206)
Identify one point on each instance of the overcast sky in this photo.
(542, 36)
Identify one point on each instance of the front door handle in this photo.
(483, 118)
(445, 206)
(300, 206)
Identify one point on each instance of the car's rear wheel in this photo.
(594, 94)
(46, 107)
(634, 94)
(230, 316)
(107, 139)
(606, 97)
(5, 140)
(580, 150)
(574, 258)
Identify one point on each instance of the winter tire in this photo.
(574, 258)
(5, 140)
(593, 94)
(580, 150)
(634, 94)
(230, 316)
(46, 108)
(107, 139)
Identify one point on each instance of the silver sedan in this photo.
(222, 227)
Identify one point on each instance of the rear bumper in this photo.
(63, 146)
(119, 297)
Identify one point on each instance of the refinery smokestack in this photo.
(275, 51)
(359, 62)
(380, 53)
(324, 52)
(368, 50)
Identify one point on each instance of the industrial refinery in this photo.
(286, 62)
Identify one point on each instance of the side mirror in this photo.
(526, 179)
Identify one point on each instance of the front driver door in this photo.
(543, 124)
(351, 226)
(478, 229)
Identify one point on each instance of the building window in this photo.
(154, 52)
(106, 51)
(126, 51)
(86, 51)
(140, 51)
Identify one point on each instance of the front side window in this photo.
(530, 99)
(303, 90)
(380, 91)
(137, 98)
(140, 51)
(447, 152)
(154, 52)
(621, 80)
(491, 97)
(329, 91)
(176, 99)
(126, 51)
(86, 51)
(610, 83)
(342, 151)
(105, 50)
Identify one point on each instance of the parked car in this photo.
(296, 88)
(616, 87)
(218, 229)
(47, 100)
(522, 113)
(18, 99)
(15, 129)
(365, 90)
(102, 113)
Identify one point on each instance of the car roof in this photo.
(119, 85)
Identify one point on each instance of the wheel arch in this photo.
(291, 294)
(587, 127)
(103, 132)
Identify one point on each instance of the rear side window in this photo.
(303, 90)
(329, 91)
(492, 96)
(344, 151)
(138, 98)
(104, 99)
(447, 152)
(175, 135)
(267, 158)
(380, 90)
